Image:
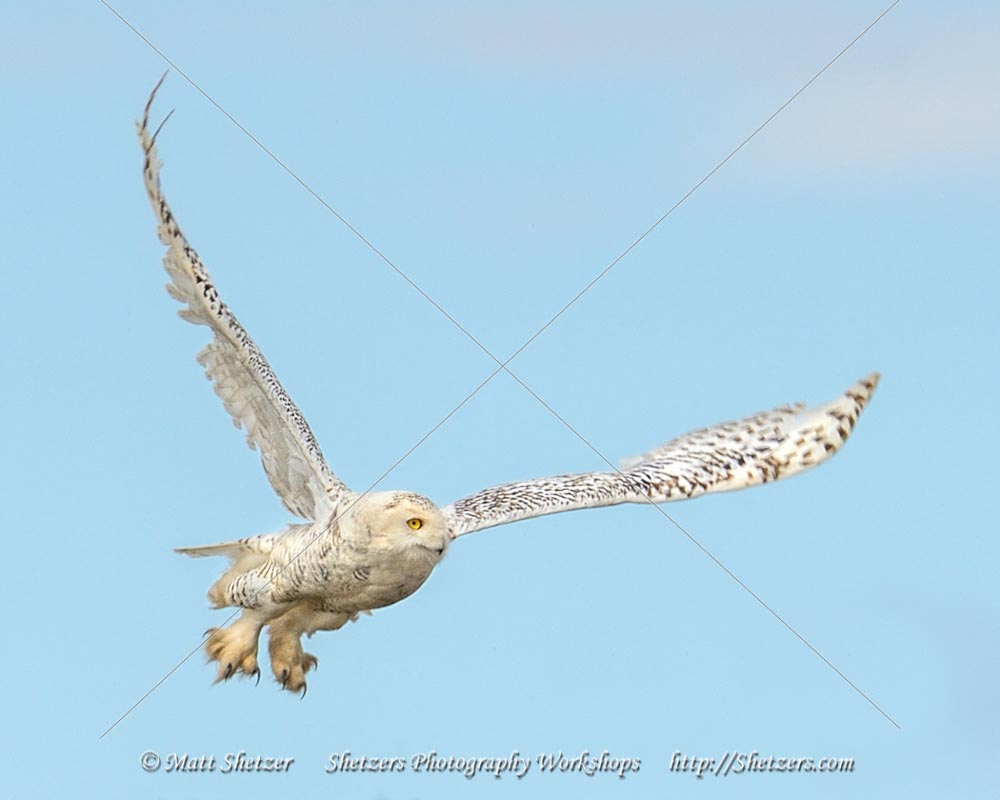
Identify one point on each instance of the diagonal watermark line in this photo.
(302, 183)
(324, 203)
(596, 279)
(503, 366)
(699, 184)
(708, 553)
(305, 547)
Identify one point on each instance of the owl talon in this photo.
(288, 662)
(234, 648)
(292, 678)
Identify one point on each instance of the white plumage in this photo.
(356, 552)
(732, 455)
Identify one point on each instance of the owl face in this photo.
(404, 521)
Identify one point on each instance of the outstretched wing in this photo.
(761, 448)
(238, 370)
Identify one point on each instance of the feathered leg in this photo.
(288, 660)
(235, 647)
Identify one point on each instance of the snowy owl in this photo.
(357, 552)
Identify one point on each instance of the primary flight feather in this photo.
(357, 552)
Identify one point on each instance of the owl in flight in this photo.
(357, 552)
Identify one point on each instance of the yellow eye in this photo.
(415, 523)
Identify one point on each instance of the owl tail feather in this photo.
(254, 547)
(229, 549)
(244, 555)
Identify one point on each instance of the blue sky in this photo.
(502, 155)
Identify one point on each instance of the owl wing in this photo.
(240, 374)
(764, 447)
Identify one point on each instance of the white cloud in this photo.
(918, 118)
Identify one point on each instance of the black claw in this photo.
(284, 677)
(228, 673)
(257, 673)
(305, 687)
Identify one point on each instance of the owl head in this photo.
(403, 520)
